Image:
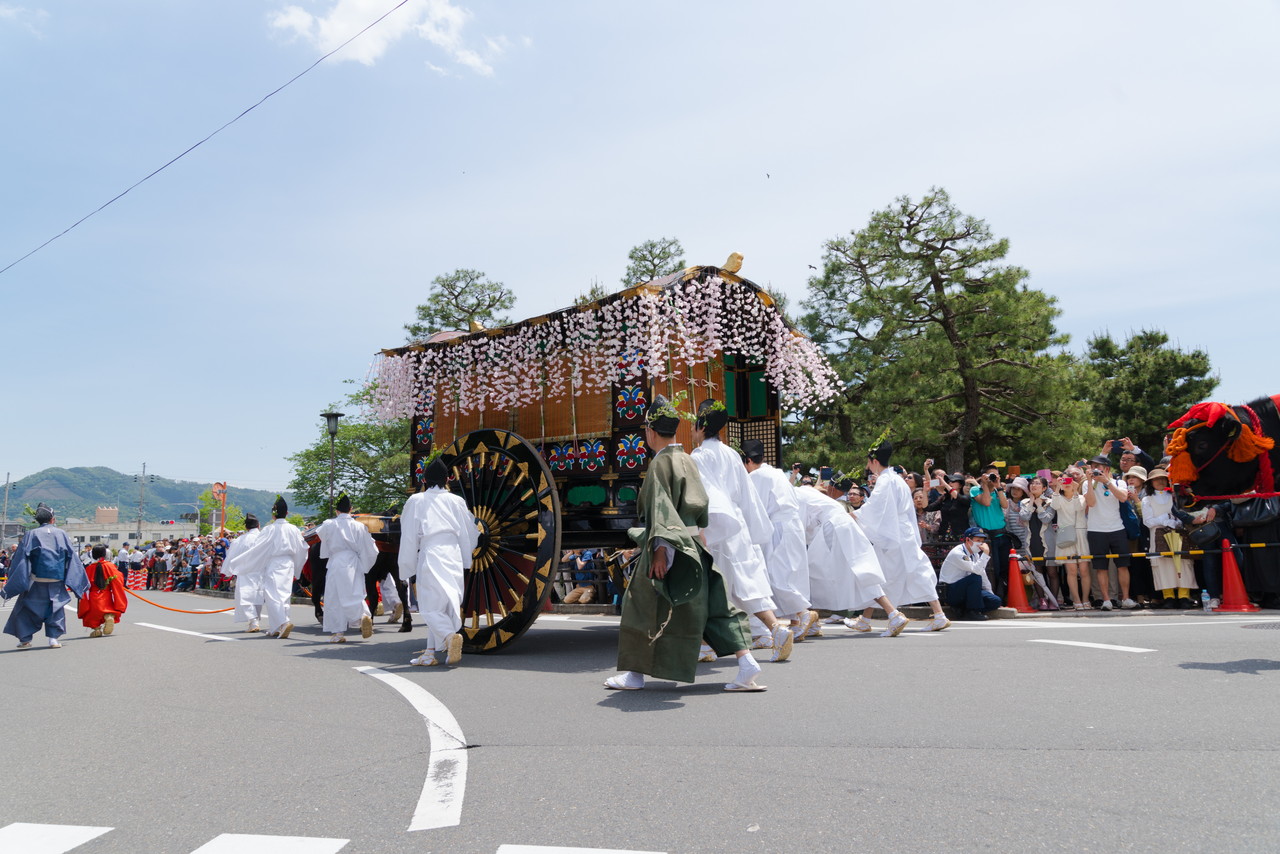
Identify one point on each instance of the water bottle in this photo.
(1204, 601)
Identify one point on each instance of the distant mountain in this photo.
(78, 492)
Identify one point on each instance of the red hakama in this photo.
(97, 603)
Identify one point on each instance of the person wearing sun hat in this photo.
(1172, 577)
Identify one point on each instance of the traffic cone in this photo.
(168, 582)
(1234, 599)
(1016, 595)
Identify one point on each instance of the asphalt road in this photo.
(984, 737)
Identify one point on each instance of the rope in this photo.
(178, 610)
(1229, 497)
(1183, 553)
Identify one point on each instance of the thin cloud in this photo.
(438, 22)
(28, 19)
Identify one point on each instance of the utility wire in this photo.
(260, 102)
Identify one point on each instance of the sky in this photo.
(202, 322)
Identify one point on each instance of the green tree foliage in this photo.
(652, 259)
(371, 464)
(1139, 387)
(457, 300)
(941, 342)
(210, 508)
(593, 293)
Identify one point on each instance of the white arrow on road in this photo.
(440, 804)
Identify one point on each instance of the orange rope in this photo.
(179, 610)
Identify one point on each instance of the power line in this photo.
(226, 125)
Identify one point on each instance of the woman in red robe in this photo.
(106, 600)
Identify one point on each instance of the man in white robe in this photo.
(737, 528)
(844, 574)
(350, 551)
(785, 555)
(277, 557)
(889, 519)
(250, 595)
(438, 536)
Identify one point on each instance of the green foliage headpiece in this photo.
(663, 416)
(712, 416)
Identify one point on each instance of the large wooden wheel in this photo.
(511, 491)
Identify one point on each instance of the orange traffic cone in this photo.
(1234, 599)
(1016, 596)
(168, 582)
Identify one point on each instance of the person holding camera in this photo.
(987, 505)
(1072, 538)
(1103, 495)
(952, 506)
(964, 573)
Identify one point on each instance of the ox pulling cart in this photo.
(541, 422)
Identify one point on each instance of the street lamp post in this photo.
(331, 424)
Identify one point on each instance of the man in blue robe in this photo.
(44, 566)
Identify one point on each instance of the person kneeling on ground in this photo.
(964, 571)
(105, 601)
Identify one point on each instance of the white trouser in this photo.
(390, 598)
(249, 598)
(279, 588)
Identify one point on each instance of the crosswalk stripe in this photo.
(555, 849)
(46, 838)
(247, 843)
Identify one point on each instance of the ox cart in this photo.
(541, 422)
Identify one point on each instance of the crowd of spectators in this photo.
(1062, 523)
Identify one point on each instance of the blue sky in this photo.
(202, 323)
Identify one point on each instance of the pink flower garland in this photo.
(690, 322)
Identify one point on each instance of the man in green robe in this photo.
(676, 597)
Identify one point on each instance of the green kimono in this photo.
(664, 621)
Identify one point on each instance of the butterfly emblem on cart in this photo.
(630, 403)
(631, 451)
(560, 456)
(592, 455)
(423, 430)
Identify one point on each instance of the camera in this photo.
(1117, 447)
(994, 478)
(1097, 472)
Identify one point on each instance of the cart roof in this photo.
(654, 328)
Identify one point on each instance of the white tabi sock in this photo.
(748, 669)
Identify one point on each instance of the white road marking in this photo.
(570, 618)
(1093, 645)
(555, 849)
(1112, 623)
(185, 632)
(46, 838)
(247, 843)
(440, 804)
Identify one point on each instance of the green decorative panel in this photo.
(594, 496)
